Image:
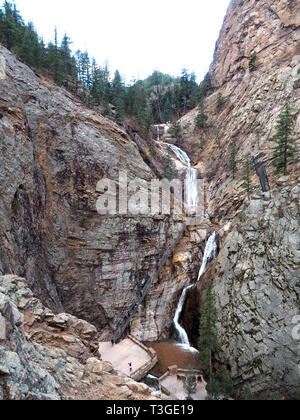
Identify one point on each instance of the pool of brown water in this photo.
(169, 354)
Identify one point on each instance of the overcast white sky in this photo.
(135, 36)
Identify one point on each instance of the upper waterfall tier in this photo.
(182, 156)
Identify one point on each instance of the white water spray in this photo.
(191, 187)
(211, 251)
(182, 334)
(191, 177)
(182, 156)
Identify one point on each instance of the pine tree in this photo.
(232, 159)
(220, 385)
(208, 342)
(157, 95)
(57, 63)
(213, 388)
(285, 151)
(69, 65)
(117, 94)
(202, 143)
(247, 171)
(205, 87)
(188, 86)
(176, 131)
(12, 26)
(201, 118)
(225, 381)
(218, 137)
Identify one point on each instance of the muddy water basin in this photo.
(169, 354)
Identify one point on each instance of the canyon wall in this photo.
(256, 276)
(117, 272)
(53, 153)
(257, 283)
(252, 100)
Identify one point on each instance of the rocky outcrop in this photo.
(53, 152)
(257, 283)
(50, 357)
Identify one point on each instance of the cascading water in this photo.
(182, 156)
(182, 334)
(191, 177)
(211, 252)
(191, 186)
(211, 249)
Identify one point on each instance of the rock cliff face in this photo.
(252, 100)
(44, 356)
(53, 153)
(257, 282)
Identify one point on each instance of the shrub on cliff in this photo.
(232, 159)
(252, 62)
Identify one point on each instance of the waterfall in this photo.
(158, 133)
(191, 177)
(191, 185)
(183, 337)
(210, 253)
(182, 156)
(192, 198)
